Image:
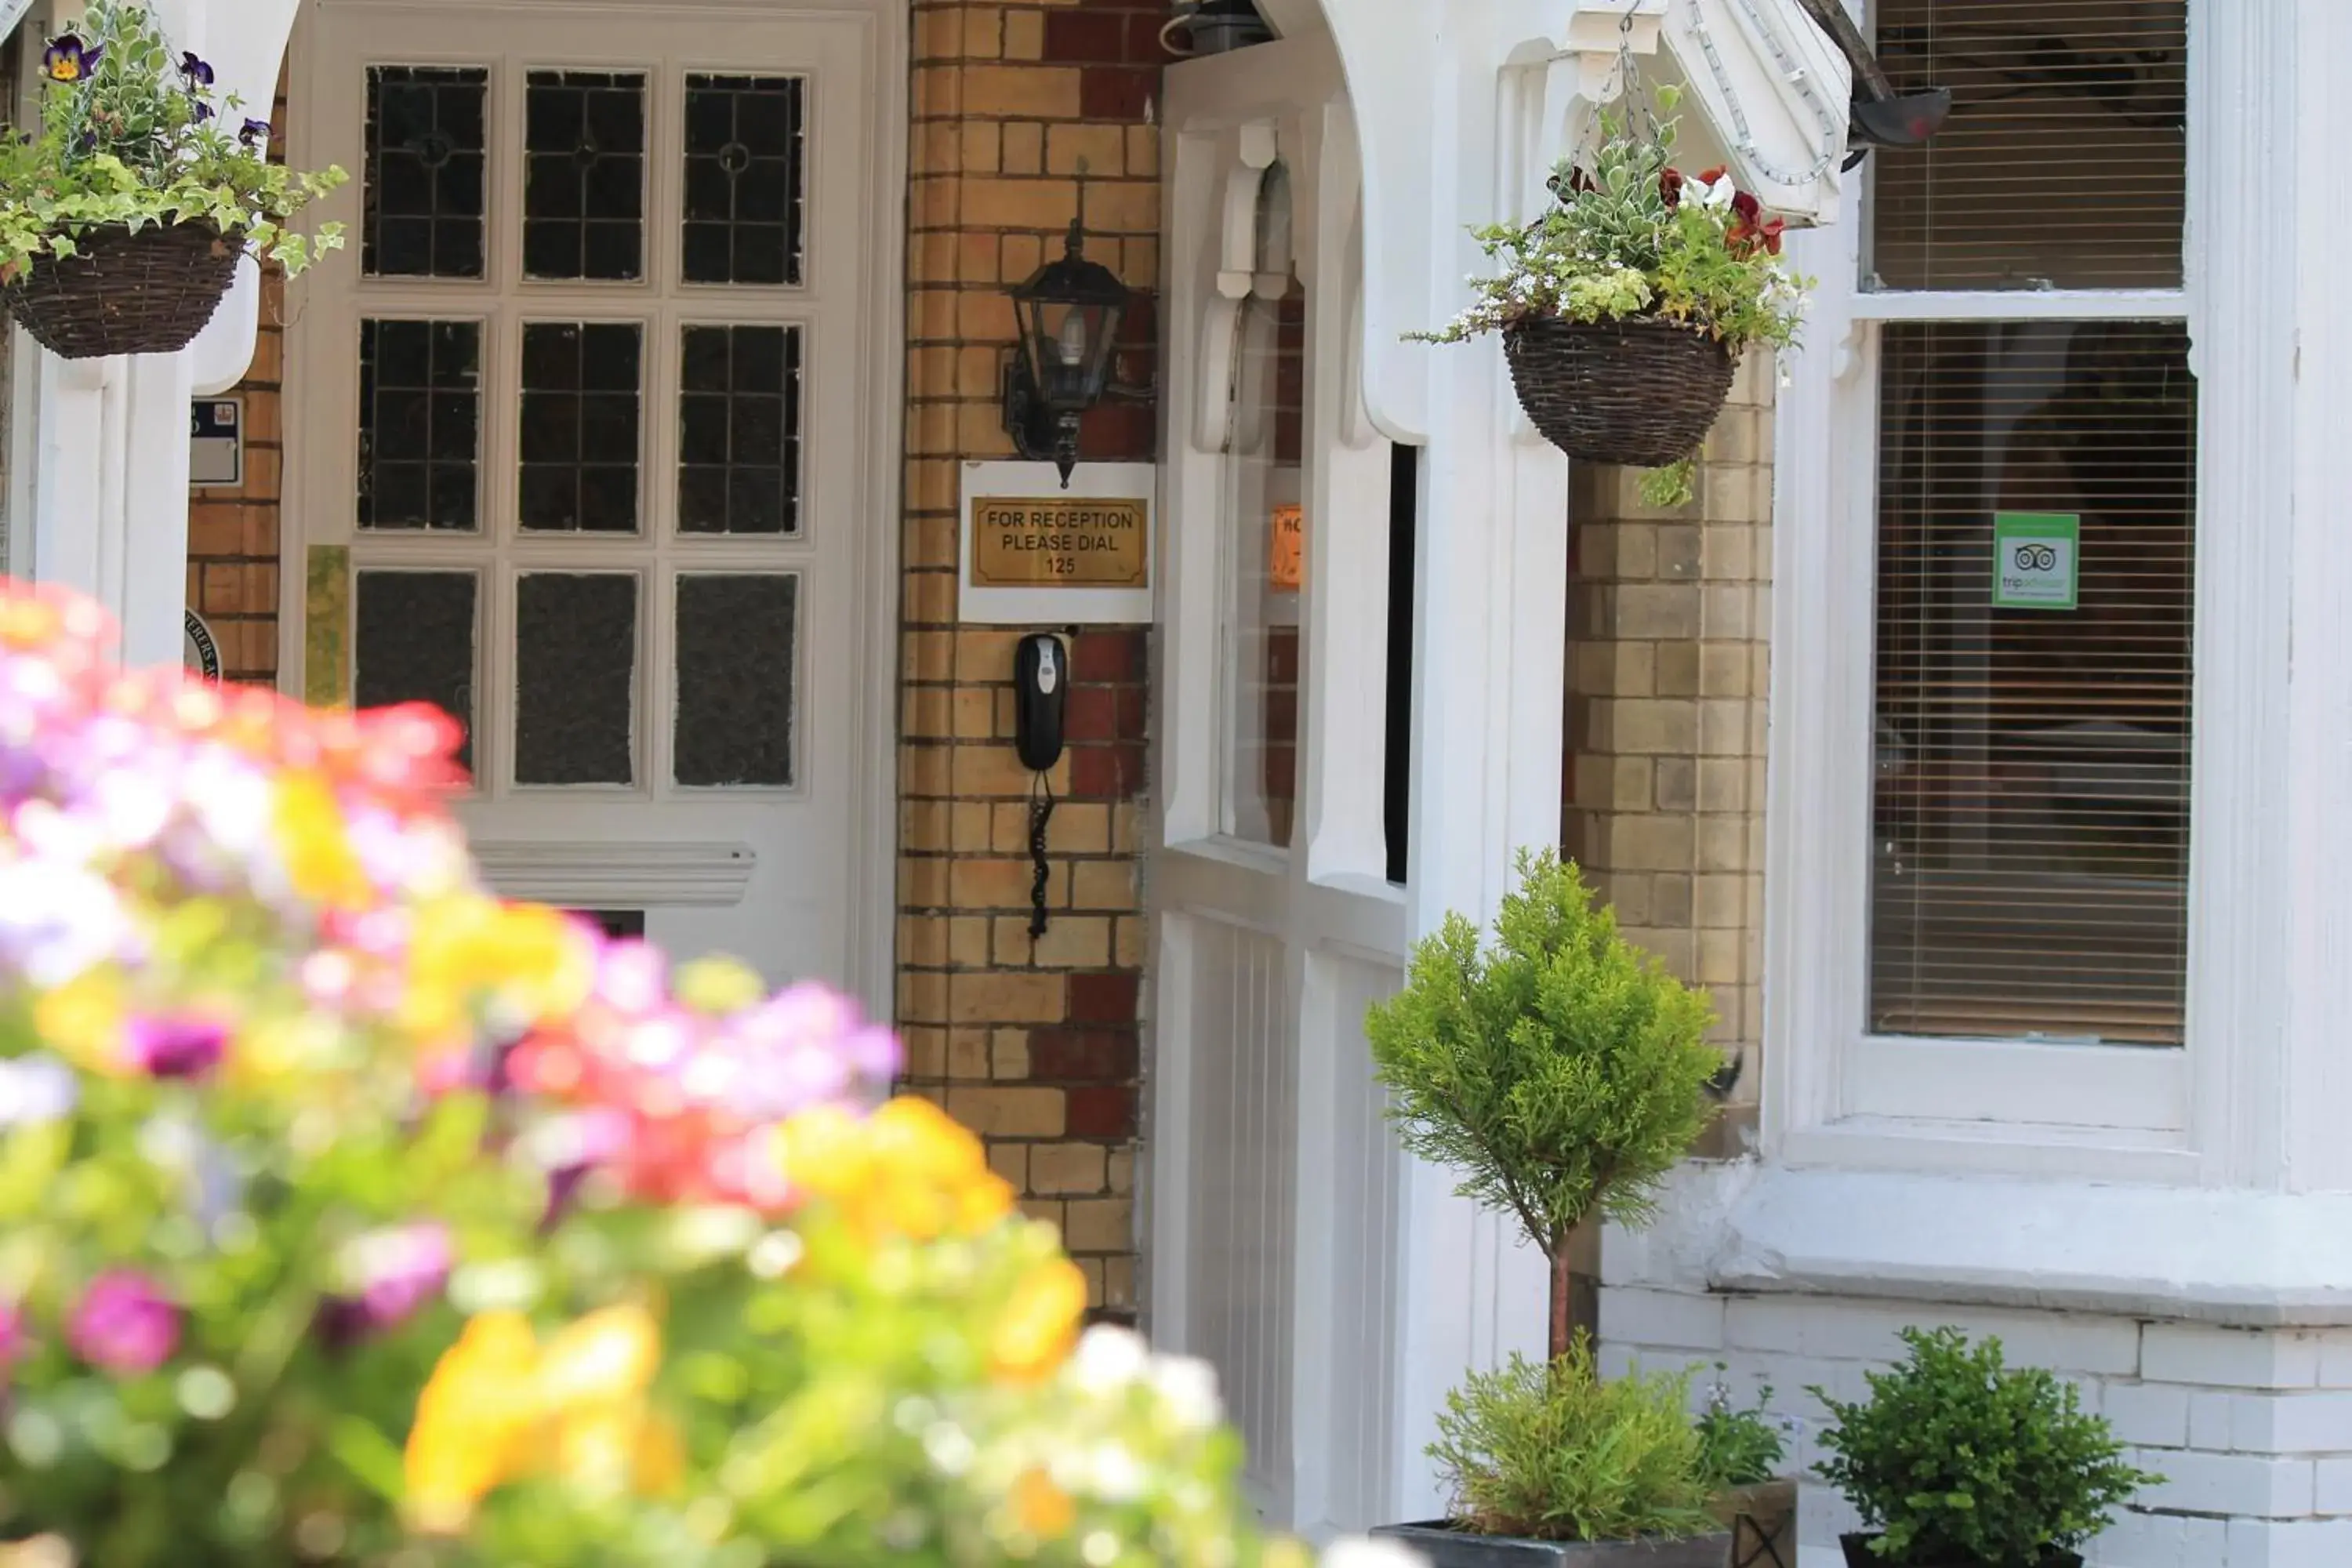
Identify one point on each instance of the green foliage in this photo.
(137, 139)
(1559, 1071)
(1551, 1452)
(1736, 1448)
(1957, 1457)
(1635, 238)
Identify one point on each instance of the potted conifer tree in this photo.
(1562, 1071)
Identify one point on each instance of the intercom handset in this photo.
(1041, 695)
(1040, 685)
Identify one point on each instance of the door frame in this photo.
(873, 740)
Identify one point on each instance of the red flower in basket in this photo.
(1670, 187)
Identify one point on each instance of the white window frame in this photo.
(1837, 1094)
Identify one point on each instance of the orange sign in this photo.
(1287, 554)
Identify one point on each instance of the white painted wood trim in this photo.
(2238, 1257)
(617, 876)
(2128, 1114)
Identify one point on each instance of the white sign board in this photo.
(201, 653)
(217, 443)
(1035, 554)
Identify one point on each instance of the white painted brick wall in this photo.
(2252, 1428)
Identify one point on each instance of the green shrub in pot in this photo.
(1959, 1460)
(1559, 1071)
(1548, 1451)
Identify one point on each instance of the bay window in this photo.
(1988, 483)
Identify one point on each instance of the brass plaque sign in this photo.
(1060, 542)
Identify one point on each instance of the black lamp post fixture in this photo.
(1069, 310)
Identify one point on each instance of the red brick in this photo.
(1078, 37)
(1106, 772)
(1106, 656)
(1103, 999)
(1120, 433)
(1082, 1055)
(1133, 707)
(1101, 1113)
(1117, 93)
(1143, 44)
(1092, 713)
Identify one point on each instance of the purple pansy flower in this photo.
(394, 1274)
(177, 1047)
(195, 69)
(123, 1324)
(199, 110)
(69, 59)
(256, 133)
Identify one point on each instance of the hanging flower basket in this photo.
(121, 293)
(1624, 308)
(1643, 392)
(124, 211)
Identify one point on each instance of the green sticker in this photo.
(2037, 559)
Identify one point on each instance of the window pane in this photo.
(580, 408)
(2063, 164)
(422, 200)
(1268, 541)
(416, 642)
(739, 430)
(575, 679)
(735, 668)
(744, 180)
(584, 184)
(420, 423)
(2032, 822)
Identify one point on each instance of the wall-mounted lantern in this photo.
(1069, 311)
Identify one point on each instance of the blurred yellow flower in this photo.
(319, 859)
(1041, 1508)
(474, 1421)
(467, 947)
(909, 1169)
(1040, 1325)
(500, 1405)
(83, 1021)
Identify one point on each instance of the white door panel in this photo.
(1276, 1192)
(559, 395)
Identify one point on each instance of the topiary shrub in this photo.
(1559, 1071)
(1957, 1459)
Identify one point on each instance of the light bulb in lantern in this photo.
(1073, 346)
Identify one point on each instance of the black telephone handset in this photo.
(1041, 685)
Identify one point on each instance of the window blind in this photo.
(2031, 816)
(2062, 164)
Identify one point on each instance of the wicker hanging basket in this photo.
(1641, 393)
(125, 293)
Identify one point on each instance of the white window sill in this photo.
(2236, 1258)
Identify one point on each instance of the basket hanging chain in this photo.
(1626, 87)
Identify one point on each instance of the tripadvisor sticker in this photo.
(2036, 560)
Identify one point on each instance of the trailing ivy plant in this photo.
(1634, 237)
(131, 135)
(1958, 1458)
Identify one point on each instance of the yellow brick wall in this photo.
(1669, 621)
(1034, 1046)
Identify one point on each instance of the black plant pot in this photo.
(1858, 1554)
(1448, 1547)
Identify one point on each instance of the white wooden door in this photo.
(1276, 1189)
(593, 399)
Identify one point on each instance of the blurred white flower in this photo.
(1360, 1553)
(1109, 1358)
(1188, 1388)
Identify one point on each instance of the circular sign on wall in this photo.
(203, 654)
